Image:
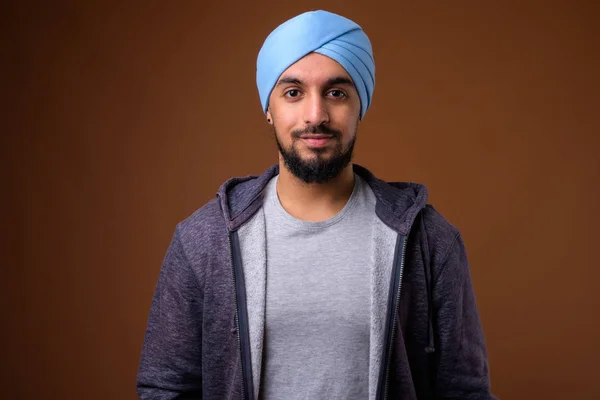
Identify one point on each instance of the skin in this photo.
(316, 91)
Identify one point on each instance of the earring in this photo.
(269, 120)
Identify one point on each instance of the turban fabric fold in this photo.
(321, 32)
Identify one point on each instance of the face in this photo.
(314, 109)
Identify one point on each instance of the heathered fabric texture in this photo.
(318, 300)
(191, 351)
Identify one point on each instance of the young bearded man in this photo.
(315, 280)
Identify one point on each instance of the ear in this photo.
(269, 116)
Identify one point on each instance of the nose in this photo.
(315, 110)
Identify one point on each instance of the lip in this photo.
(317, 140)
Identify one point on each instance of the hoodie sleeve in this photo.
(462, 370)
(170, 365)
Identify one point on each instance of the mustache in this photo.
(316, 129)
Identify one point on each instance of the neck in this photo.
(314, 202)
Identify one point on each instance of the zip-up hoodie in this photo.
(205, 330)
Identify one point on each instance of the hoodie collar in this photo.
(398, 203)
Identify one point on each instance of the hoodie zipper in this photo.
(397, 286)
(237, 320)
(242, 323)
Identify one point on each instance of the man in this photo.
(315, 280)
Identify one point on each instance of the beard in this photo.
(320, 168)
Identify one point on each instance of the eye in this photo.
(292, 93)
(338, 94)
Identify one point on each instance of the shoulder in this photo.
(204, 217)
(437, 226)
(436, 233)
(203, 228)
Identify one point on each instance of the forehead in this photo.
(315, 68)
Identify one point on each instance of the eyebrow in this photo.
(289, 80)
(337, 80)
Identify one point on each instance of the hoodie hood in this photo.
(398, 203)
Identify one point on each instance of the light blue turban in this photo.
(322, 32)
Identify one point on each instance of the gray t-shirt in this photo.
(318, 301)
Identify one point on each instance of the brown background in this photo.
(122, 119)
